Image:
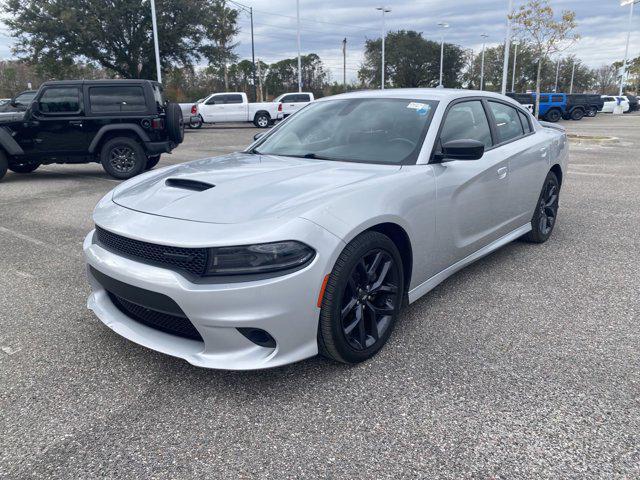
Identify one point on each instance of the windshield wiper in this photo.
(315, 156)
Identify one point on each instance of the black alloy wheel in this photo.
(123, 158)
(24, 167)
(592, 112)
(546, 213)
(553, 116)
(362, 299)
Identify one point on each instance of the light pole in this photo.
(515, 58)
(555, 90)
(299, 59)
(384, 34)
(484, 41)
(442, 25)
(623, 77)
(507, 43)
(155, 40)
(249, 10)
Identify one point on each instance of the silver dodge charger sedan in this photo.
(313, 238)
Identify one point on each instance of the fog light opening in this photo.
(259, 337)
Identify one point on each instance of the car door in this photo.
(58, 122)
(235, 108)
(527, 153)
(213, 108)
(472, 195)
(288, 104)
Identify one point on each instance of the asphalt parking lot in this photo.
(524, 365)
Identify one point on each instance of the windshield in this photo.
(25, 98)
(371, 130)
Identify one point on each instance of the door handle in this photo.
(75, 123)
(502, 172)
(543, 151)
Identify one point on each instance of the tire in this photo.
(546, 213)
(262, 120)
(592, 112)
(4, 164)
(123, 158)
(152, 161)
(350, 330)
(197, 124)
(24, 168)
(577, 114)
(175, 123)
(553, 116)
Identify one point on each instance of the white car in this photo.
(292, 102)
(314, 237)
(610, 103)
(232, 107)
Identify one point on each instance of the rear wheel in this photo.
(262, 120)
(4, 164)
(196, 124)
(362, 299)
(152, 161)
(123, 158)
(577, 114)
(24, 167)
(553, 116)
(546, 213)
(592, 112)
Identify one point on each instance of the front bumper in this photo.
(284, 306)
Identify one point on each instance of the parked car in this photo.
(590, 104)
(554, 106)
(20, 102)
(123, 124)
(234, 107)
(292, 102)
(314, 237)
(610, 103)
(190, 112)
(633, 102)
(4, 101)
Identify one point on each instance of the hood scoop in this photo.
(188, 184)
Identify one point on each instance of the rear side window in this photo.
(466, 121)
(525, 122)
(117, 99)
(233, 99)
(302, 98)
(556, 98)
(507, 121)
(60, 100)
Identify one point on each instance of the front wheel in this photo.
(123, 158)
(546, 213)
(24, 167)
(577, 114)
(362, 299)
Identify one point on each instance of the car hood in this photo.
(241, 187)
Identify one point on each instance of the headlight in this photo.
(261, 258)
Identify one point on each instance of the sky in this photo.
(602, 24)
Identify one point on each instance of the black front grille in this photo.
(192, 260)
(173, 324)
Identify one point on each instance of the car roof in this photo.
(98, 82)
(438, 94)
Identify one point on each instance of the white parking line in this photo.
(602, 174)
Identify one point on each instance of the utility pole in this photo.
(573, 74)
(156, 47)
(384, 34)
(484, 40)
(344, 63)
(442, 25)
(507, 43)
(299, 59)
(623, 77)
(515, 59)
(253, 57)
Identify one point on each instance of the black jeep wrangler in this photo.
(123, 124)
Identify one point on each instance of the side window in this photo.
(288, 99)
(117, 99)
(556, 98)
(233, 99)
(303, 98)
(525, 123)
(216, 100)
(544, 98)
(466, 121)
(507, 121)
(60, 100)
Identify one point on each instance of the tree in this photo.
(117, 35)
(605, 78)
(410, 61)
(283, 75)
(536, 23)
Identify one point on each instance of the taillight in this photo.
(157, 123)
(194, 110)
(279, 107)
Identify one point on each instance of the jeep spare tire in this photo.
(3, 164)
(175, 123)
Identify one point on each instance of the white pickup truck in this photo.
(292, 102)
(234, 107)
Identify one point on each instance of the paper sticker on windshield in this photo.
(420, 108)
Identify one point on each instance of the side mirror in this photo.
(466, 149)
(258, 135)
